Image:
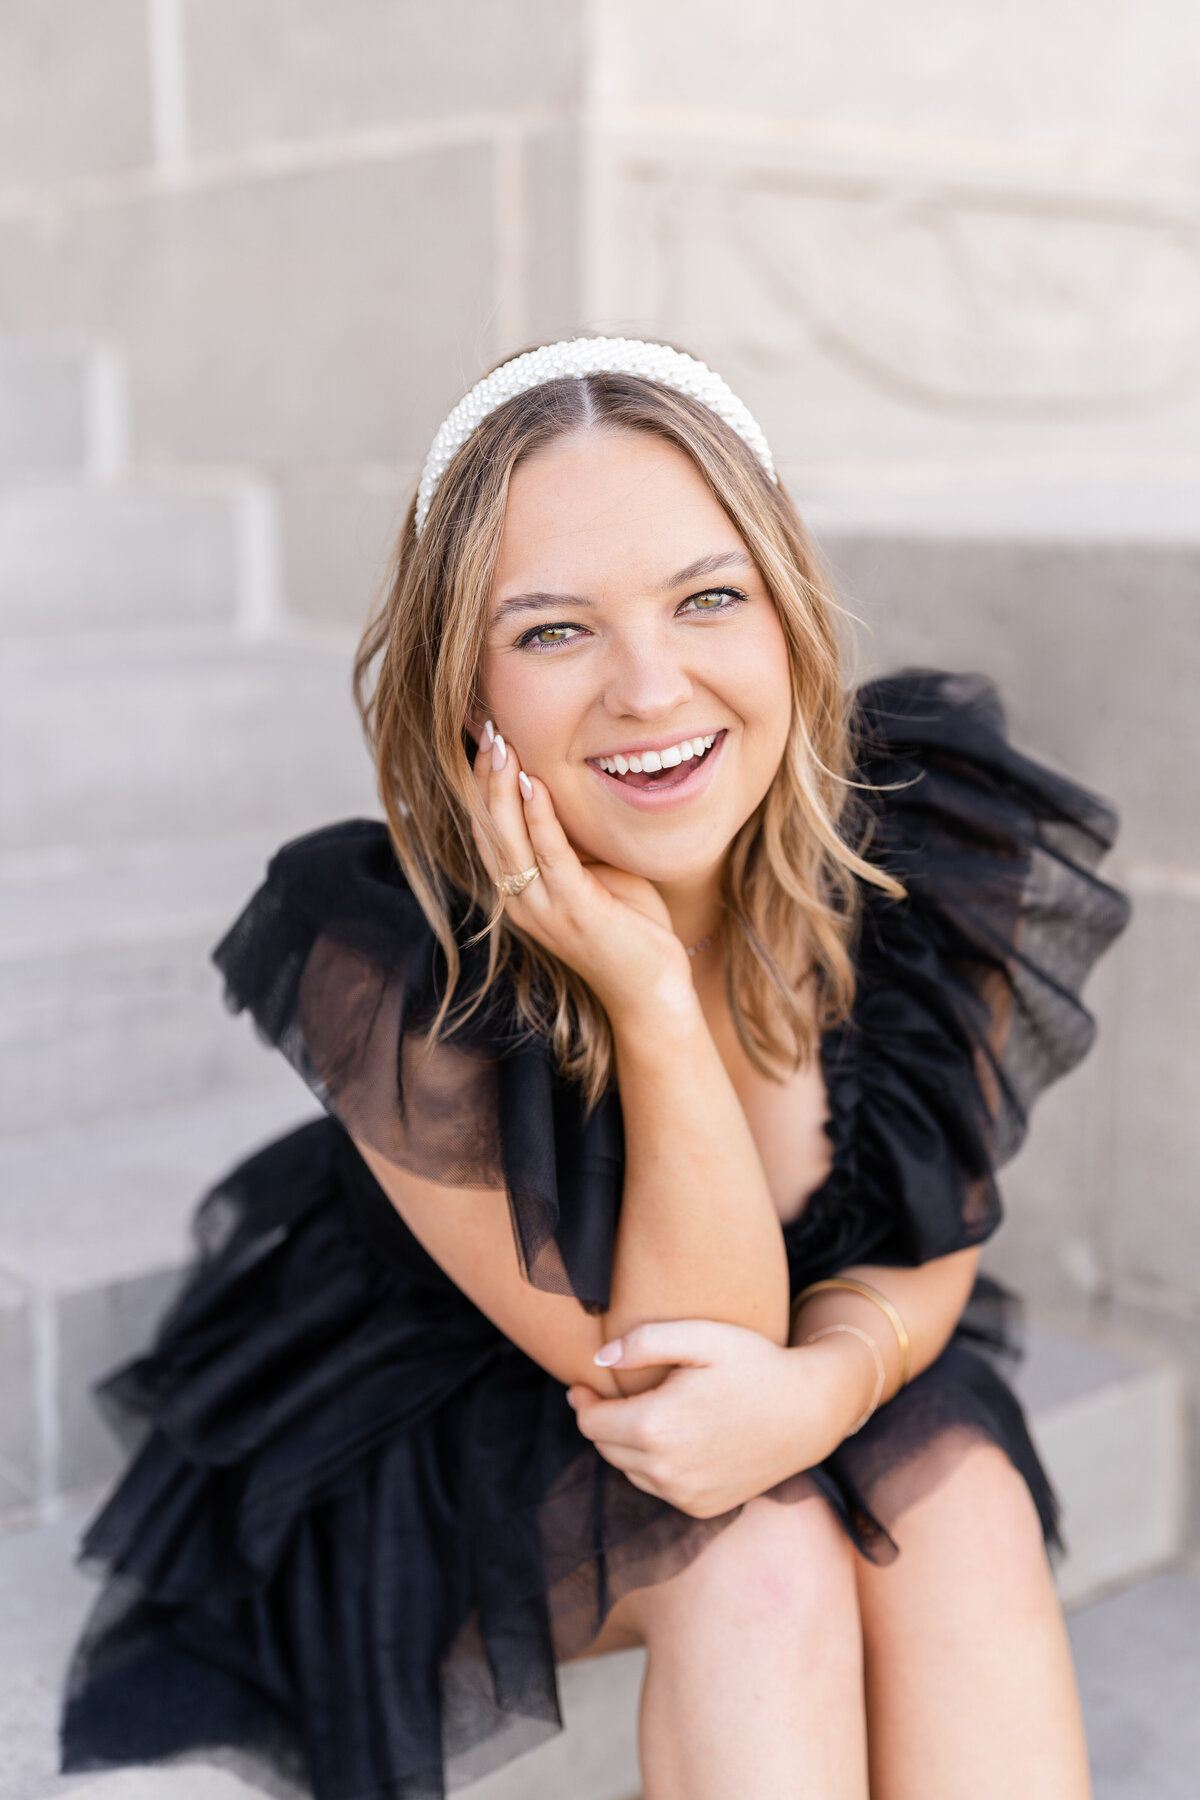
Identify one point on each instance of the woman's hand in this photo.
(611, 927)
(736, 1415)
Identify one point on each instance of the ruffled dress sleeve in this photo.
(968, 989)
(339, 968)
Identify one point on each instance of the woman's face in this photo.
(628, 625)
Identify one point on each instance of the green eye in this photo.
(715, 600)
(547, 637)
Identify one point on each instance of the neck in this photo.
(694, 905)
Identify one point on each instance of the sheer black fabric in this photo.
(360, 1528)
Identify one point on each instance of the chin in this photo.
(661, 861)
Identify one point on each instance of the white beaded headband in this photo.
(580, 357)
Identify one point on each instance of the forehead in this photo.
(607, 506)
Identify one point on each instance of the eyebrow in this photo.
(704, 565)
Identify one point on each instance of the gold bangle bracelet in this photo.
(868, 1293)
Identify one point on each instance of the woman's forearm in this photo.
(930, 1300)
(699, 1237)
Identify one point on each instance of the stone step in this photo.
(123, 738)
(124, 555)
(1109, 1417)
(1137, 1654)
(93, 1236)
(62, 408)
(108, 1000)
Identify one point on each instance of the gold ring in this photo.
(516, 884)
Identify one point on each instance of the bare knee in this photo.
(778, 1565)
(976, 1530)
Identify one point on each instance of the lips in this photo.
(671, 773)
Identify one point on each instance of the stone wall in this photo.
(305, 226)
(936, 237)
(949, 254)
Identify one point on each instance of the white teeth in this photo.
(651, 761)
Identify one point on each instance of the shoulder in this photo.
(968, 989)
(335, 894)
(935, 745)
(1004, 911)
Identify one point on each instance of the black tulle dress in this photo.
(360, 1526)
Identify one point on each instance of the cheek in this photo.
(754, 680)
(533, 714)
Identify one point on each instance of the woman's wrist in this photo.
(664, 1017)
(845, 1373)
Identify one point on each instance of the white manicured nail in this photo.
(486, 735)
(499, 753)
(525, 785)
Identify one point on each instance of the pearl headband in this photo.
(580, 357)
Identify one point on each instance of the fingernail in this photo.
(499, 753)
(486, 735)
(570, 1402)
(608, 1354)
(525, 785)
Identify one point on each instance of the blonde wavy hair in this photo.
(790, 883)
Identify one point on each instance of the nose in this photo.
(645, 679)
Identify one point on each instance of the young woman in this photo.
(671, 1032)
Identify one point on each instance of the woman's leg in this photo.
(969, 1682)
(754, 1664)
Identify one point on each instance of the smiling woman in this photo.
(671, 1031)
(566, 537)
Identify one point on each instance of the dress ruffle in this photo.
(361, 1528)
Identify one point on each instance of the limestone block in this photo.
(98, 1331)
(339, 526)
(43, 408)
(95, 1221)
(121, 738)
(75, 558)
(108, 1000)
(1156, 1223)
(1108, 1420)
(18, 1424)
(871, 320)
(1046, 620)
(554, 246)
(43, 1602)
(1054, 1244)
(929, 67)
(263, 72)
(328, 316)
(74, 89)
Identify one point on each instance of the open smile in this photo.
(657, 778)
